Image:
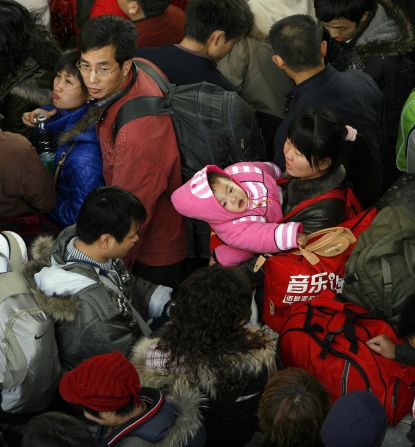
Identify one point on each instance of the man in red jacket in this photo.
(144, 157)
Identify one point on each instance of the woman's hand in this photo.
(301, 240)
(383, 345)
(29, 118)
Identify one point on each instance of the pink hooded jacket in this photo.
(256, 230)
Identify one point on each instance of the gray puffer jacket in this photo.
(90, 311)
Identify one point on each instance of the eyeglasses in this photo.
(100, 71)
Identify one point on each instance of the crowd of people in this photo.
(157, 323)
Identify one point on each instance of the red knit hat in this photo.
(105, 382)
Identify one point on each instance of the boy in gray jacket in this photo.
(81, 282)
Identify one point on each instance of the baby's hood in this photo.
(195, 198)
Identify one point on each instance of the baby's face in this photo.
(230, 195)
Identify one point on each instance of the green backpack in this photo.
(380, 272)
(405, 145)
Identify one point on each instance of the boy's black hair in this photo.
(108, 210)
(297, 40)
(328, 10)
(110, 30)
(153, 8)
(68, 63)
(234, 17)
(56, 429)
(406, 326)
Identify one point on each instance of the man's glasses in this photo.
(86, 69)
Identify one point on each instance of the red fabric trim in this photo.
(137, 422)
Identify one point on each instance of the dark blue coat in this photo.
(82, 168)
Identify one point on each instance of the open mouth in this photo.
(240, 203)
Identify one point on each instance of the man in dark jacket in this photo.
(212, 29)
(376, 37)
(352, 95)
(82, 283)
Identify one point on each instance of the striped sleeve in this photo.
(286, 235)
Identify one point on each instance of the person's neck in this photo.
(91, 250)
(301, 76)
(139, 409)
(194, 45)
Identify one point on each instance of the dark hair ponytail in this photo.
(319, 134)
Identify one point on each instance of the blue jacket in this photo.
(82, 168)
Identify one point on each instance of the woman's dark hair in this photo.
(56, 429)
(406, 326)
(21, 37)
(292, 409)
(207, 329)
(68, 63)
(319, 134)
(111, 210)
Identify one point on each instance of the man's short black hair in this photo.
(153, 8)
(328, 10)
(407, 318)
(110, 30)
(231, 16)
(297, 40)
(108, 210)
(56, 429)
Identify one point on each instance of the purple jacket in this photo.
(256, 230)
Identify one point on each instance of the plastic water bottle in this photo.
(42, 141)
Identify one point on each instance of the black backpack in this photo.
(212, 125)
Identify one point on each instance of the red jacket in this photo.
(145, 160)
(164, 29)
(106, 7)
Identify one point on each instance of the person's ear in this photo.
(324, 164)
(105, 241)
(126, 67)
(365, 16)
(323, 48)
(216, 37)
(278, 61)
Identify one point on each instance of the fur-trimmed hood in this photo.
(251, 364)
(53, 287)
(389, 33)
(189, 421)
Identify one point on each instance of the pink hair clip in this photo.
(351, 133)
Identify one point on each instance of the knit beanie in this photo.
(357, 419)
(104, 382)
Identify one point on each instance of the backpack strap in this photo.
(141, 106)
(15, 253)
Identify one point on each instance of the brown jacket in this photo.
(25, 184)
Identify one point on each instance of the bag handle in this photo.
(330, 235)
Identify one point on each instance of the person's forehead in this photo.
(99, 56)
(340, 22)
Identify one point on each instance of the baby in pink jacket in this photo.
(242, 204)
